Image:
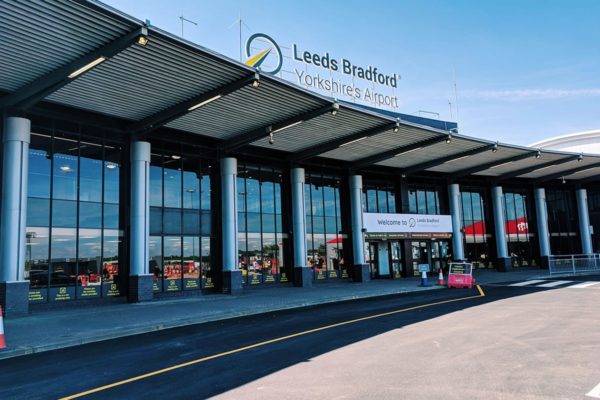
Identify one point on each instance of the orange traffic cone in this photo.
(441, 278)
(2, 341)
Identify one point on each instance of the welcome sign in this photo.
(413, 225)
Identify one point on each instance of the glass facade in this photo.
(180, 223)
(324, 237)
(379, 198)
(562, 222)
(475, 230)
(424, 201)
(518, 235)
(261, 239)
(73, 232)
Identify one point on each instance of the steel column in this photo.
(140, 207)
(14, 198)
(584, 221)
(541, 211)
(455, 212)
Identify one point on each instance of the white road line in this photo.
(584, 285)
(525, 283)
(553, 284)
(595, 392)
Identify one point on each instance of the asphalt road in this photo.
(513, 343)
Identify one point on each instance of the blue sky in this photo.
(525, 70)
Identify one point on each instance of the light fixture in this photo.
(449, 139)
(65, 168)
(176, 157)
(111, 166)
(353, 141)
(397, 127)
(205, 102)
(456, 159)
(538, 154)
(580, 158)
(563, 180)
(255, 83)
(142, 40)
(495, 148)
(87, 66)
(407, 151)
(335, 109)
(271, 140)
(287, 126)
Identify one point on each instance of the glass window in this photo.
(181, 205)
(172, 192)
(38, 184)
(260, 237)
(324, 237)
(82, 179)
(156, 185)
(90, 180)
(191, 187)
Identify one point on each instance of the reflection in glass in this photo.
(191, 262)
(36, 256)
(63, 248)
(156, 261)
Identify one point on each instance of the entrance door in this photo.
(383, 269)
(373, 256)
(421, 255)
(396, 258)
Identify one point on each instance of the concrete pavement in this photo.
(55, 329)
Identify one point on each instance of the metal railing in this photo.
(574, 264)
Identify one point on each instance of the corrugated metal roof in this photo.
(588, 173)
(385, 141)
(247, 109)
(39, 36)
(430, 153)
(517, 165)
(320, 130)
(127, 84)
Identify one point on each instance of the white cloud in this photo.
(530, 94)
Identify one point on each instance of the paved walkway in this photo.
(55, 329)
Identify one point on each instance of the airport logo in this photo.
(263, 53)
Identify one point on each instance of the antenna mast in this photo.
(183, 19)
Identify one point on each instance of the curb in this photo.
(125, 332)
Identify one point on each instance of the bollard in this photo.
(424, 282)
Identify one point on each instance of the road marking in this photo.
(595, 392)
(525, 283)
(584, 285)
(266, 342)
(480, 291)
(553, 284)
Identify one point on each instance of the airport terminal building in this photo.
(138, 166)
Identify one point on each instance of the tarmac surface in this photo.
(82, 325)
(533, 341)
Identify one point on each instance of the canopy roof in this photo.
(169, 82)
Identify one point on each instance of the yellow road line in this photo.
(480, 290)
(252, 346)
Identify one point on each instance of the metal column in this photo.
(360, 271)
(140, 281)
(584, 221)
(504, 261)
(303, 276)
(232, 276)
(14, 289)
(455, 211)
(541, 212)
